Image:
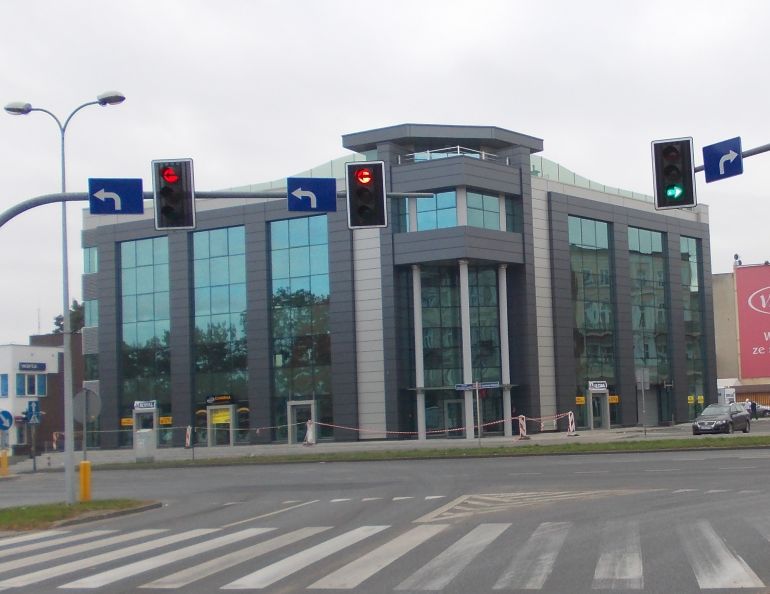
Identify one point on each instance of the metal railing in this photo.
(445, 153)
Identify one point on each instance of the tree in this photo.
(77, 318)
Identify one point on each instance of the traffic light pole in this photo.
(84, 197)
(749, 153)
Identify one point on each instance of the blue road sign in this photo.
(115, 196)
(33, 412)
(312, 194)
(6, 420)
(723, 159)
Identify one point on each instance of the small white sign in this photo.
(597, 386)
(145, 404)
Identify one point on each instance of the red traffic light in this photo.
(169, 175)
(364, 175)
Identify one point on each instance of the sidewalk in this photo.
(55, 460)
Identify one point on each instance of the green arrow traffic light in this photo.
(674, 192)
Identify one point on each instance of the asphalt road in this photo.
(656, 522)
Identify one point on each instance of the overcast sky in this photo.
(258, 90)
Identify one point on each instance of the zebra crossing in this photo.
(260, 558)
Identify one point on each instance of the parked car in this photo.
(763, 411)
(722, 418)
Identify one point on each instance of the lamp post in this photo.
(20, 108)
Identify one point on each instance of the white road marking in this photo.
(444, 568)
(684, 491)
(715, 566)
(534, 562)
(47, 556)
(402, 498)
(718, 491)
(89, 562)
(272, 513)
(353, 574)
(620, 557)
(12, 540)
(262, 578)
(220, 563)
(429, 497)
(372, 499)
(113, 575)
(57, 541)
(338, 500)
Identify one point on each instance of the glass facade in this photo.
(442, 349)
(219, 343)
(145, 328)
(300, 333)
(692, 304)
(90, 312)
(90, 260)
(483, 210)
(592, 297)
(649, 315)
(439, 212)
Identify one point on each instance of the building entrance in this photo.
(220, 421)
(599, 411)
(454, 417)
(299, 412)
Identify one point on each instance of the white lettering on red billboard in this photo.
(752, 286)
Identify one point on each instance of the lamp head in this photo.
(111, 98)
(18, 108)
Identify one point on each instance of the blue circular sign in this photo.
(6, 420)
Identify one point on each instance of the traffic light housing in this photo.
(674, 173)
(367, 203)
(174, 194)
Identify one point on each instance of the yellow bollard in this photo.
(4, 463)
(85, 480)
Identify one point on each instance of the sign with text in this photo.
(752, 288)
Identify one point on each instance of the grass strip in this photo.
(39, 517)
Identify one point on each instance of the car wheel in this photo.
(747, 428)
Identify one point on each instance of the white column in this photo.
(465, 317)
(502, 298)
(462, 206)
(411, 207)
(419, 367)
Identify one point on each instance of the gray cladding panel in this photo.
(454, 172)
(456, 243)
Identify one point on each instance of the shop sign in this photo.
(597, 386)
(126, 422)
(164, 421)
(219, 399)
(145, 404)
(220, 416)
(700, 399)
(580, 399)
(691, 399)
(29, 366)
(613, 399)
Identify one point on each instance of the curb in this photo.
(93, 516)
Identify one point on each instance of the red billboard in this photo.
(752, 286)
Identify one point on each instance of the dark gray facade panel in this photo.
(454, 172)
(457, 243)
(560, 208)
(432, 136)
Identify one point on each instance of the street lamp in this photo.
(20, 108)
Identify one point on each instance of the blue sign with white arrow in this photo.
(312, 194)
(723, 159)
(33, 412)
(6, 420)
(115, 196)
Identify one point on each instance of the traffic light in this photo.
(172, 182)
(674, 174)
(367, 205)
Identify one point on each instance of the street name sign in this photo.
(312, 194)
(723, 159)
(115, 196)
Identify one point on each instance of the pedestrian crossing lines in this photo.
(422, 557)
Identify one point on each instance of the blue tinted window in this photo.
(144, 252)
(200, 246)
(20, 384)
(298, 232)
(219, 271)
(41, 385)
(279, 235)
(218, 243)
(4, 384)
(299, 261)
(318, 234)
(236, 238)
